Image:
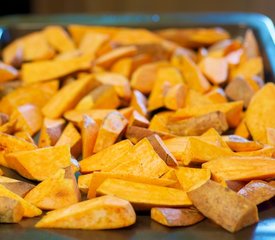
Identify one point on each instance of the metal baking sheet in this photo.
(236, 23)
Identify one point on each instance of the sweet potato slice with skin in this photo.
(50, 132)
(216, 95)
(198, 125)
(13, 54)
(240, 89)
(109, 58)
(166, 77)
(144, 196)
(240, 144)
(10, 126)
(257, 191)
(68, 97)
(189, 177)
(36, 94)
(241, 168)
(123, 66)
(89, 131)
(265, 151)
(138, 120)
(139, 102)
(159, 122)
(162, 150)
(232, 110)
(9, 144)
(71, 137)
(222, 205)
(25, 135)
(215, 69)
(7, 73)
(111, 129)
(105, 158)
(52, 69)
(242, 130)
(176, 146)
(135, 134)
(250, 45)
(175, 97)
(98, 178)
(54, 192)
(40, 163)
(114, 213)
(29, 209)
(259, 113)
(176, 217)
(11, 210)
(99, 99)
(21, 188)
(29, 118)
(141, 160)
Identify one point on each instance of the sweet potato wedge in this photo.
(97, 178)
(106, 158)
(241, 168)
(29, 210)
(139, 102)
(225, 207)
(176, 217)
(175, 97)
(138, 120)
(21, 188)
(40, 163)
(176, 146)
(68, 97)
(115, 213)
(144, 196)
(72, 138)
(11, 210)
(257, 191)
(216, 95)
(54, 192)
(7, 72)
(111, 129)
(198, 125)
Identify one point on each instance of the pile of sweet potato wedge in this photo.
(176, 121)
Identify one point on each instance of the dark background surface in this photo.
(266, 7)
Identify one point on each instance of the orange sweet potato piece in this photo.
(21, 188)
(232, 111)
(7, 72)
(259, 113)
(139, 102)
(241, 168)
(257, 191)
(58, 38)
(162, 150)
(195, 99)
(68, 97)
(176, 217)
(36, 94)
(111, 129)
(72, 138)
(97, 178)
(25, 135)
(138, 120)
(4, 118)
(109, 58)
(143, 78)
(114, 213)
(29, 210)
(190, 177)
(54, 192)
(120, 83)
(217, 95)
(9, 127)
(265, 151)
(52, 69)
(270, 134)
(29, 118)
(159, 122)
(242, 130)
(98, 98)
(13, 54)
(141, 160)
(40, 163)
(250, 45)
(223, 206)
(176, 146)
(215, 69)
(89, 131)
(123, 66)
(106, 158)
(197, 125)
(194, 37)
(193, 76)
(144, 196)
(11, 210)
(50, 132)
(175, 97)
